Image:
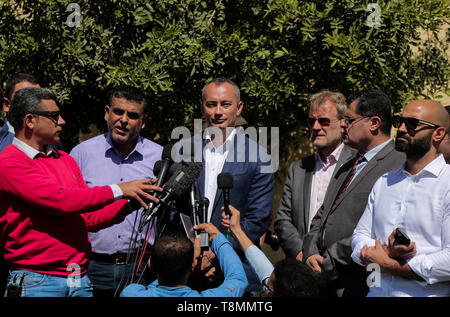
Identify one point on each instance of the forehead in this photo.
(325, 110)
(415, 110)
(352, 107)
(49, 104)
(224, 91)
(24, 84)
(129, 105)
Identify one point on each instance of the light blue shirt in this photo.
(260, 264)
(234, 284)
(101, 164)
(368, 156)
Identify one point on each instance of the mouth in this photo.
(120, 130)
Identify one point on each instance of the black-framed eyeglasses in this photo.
(411, 123)
(52, 115)
(324, 122)
(350, 120)
(269, 290)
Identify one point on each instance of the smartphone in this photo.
(401, 237)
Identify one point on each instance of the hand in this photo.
(233, 223)
(315, 263)
(209, 228)
(138, 190)
(299, 256)
(399, 251)
(377, 254)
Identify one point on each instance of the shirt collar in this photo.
(434, 167)
(221, 149)
(370, 154)
(31, 152)
(10, 127)
(110, 145)
(333, 157)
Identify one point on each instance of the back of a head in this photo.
(27, 100)
(171, 258)
(374, 102)
(128, 93)
(14, 80)
(294, 279)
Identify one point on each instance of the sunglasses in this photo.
(131, 114)
(52, 115)
(411, 123)
(324, 122)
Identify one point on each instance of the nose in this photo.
(316, 125)
(402, 127)
(61, 121)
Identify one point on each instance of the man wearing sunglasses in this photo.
(120, 155)
(326, 247)
(308, 178)
(46, 209)
(416, 199)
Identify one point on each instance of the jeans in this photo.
(46, 285)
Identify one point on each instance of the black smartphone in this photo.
(401, 237)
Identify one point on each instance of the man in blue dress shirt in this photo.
(120, 155)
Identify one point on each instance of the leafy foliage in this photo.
(278, 51)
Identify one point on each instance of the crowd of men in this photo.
(70, 223)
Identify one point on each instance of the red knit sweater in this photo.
(46, 211)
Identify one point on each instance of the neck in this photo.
(29, 140)
(374, 142)
(326, 151)
(126, 148)
(414, 165)
(225, 133)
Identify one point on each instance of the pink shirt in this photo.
(320, 180)
(46, 211)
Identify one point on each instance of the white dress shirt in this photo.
(320, 180)
(420, 205)
(214, 160)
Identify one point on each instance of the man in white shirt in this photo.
(416, 198)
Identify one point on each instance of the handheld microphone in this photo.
(204, 237)
(225, 182)
(177, 184)
(166, 162)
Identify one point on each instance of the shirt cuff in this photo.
(117, 192)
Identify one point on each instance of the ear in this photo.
(6, 105)
(144, 120)
(240, 106)
(29, 121)
(106, 112)
(375, 123)
(439, 134)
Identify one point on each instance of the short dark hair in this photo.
(129, 93)
(27, 100)
(171, 257)
(220, 81)
(374, 102)
(15, 79)
(448, 109)
(294, 279)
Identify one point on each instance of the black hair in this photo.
(27, 100)
(374, 102)
(129, 93)
(16, 79)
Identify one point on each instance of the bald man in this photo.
(444, 146)
(414, 261)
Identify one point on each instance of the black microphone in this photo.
(203, 204)
(166, 162)
(225, 182)
(177, 184)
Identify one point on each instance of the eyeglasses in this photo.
(324, 122)
(411, 123)
(131, 114)
(269, 290)
(52, 115)
(350, 120)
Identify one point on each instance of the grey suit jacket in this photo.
(293, 213)
(331, 229)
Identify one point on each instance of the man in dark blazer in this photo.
(308, 178)
(225, 149)
(326, 248)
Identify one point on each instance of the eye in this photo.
(118, 111)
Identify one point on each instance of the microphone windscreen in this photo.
(225, 180)
(167, 152)
(182, 180)
(157, 167)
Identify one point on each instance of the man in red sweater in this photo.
(46, 209)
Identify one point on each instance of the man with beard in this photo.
(120, 155)
(416, 199)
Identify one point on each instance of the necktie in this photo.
(348, 179)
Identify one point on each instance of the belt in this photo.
(116, 258)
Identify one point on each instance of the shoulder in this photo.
(90, 144)
(151, 145)
(10, 155)
(133, 290)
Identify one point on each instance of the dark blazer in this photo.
(251, 194)
(293, 213)
(336, 225)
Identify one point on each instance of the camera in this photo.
(272, 239)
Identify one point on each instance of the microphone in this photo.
(178, 183)
(203, 204)
(225, 182)
(166, 162)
